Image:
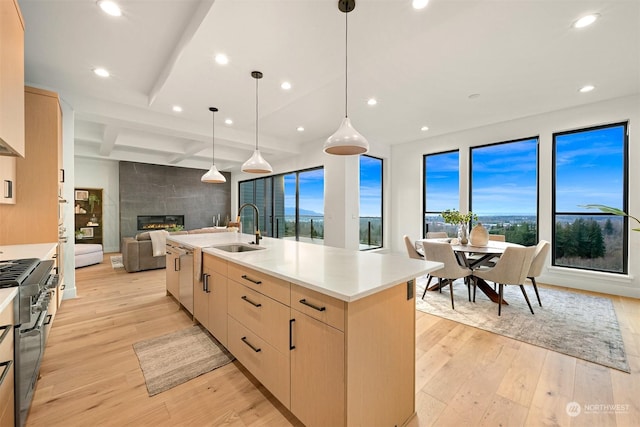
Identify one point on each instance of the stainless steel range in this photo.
(34, 281)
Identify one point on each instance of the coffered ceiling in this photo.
(454, 65)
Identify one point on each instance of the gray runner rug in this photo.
(175, 358)
(578, 325)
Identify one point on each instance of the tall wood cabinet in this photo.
(36, 215)
(12, 122)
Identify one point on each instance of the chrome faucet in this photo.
(256, 217)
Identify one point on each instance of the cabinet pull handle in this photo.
(61, 175)
(176, 264)
(48, 319)
(291, 346)
(6, 328)
(8, 189)
(303, 301)
(257, 282)
(7, 366)
(205, 284)
(244, 340)
(244, 297)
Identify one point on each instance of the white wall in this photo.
(104, 174)
(407, 182)
(68, 252)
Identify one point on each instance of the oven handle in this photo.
(36, 329)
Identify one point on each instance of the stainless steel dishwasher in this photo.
(186, 278)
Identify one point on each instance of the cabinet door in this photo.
(218, 307)
(173, 275)
(201, 298)
(317, 372)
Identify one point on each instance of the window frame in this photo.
(381, 202)
(625, 197)
(424, 186)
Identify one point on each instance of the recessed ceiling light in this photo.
(177, 109)
(587, 88)
(228, 122)
(110, 7)
(372, 101)
(586, 20)
(424, 128)
(222, 59)
(285, 85)
(419, 4)
(101, 72)
(300, 129)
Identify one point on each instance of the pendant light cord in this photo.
(256, 114)
(346, 60)
(213, 138)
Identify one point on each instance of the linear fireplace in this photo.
(159, 222)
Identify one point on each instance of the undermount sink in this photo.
(238, 247)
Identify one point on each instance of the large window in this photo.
(590, 167)
(441, 189)
(291, 205)
(504, 189)
(370, 202)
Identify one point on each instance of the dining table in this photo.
(475, 257)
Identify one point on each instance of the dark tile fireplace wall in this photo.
(168, 190)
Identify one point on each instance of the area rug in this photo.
(116, 261)
(578, 325)
(176, 358)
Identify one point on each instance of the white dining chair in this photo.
(437, 235)
(511, 269)
(539, 258)
(411, 249)
(452, 270)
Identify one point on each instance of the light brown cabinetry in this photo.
(12, 122)
(172, 271)
(210, 297)
(6, 367)
(8, 180)
(35, 216)
(330, 362)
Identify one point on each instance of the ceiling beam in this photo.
(109, 137)
(196, 21)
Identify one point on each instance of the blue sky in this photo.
(312, 188)
(504, 182)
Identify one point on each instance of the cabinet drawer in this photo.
(214, 263)
(319, 306)
(6, 342)
(6, 392)
(267, 364)
(273, 287)
(264, 316)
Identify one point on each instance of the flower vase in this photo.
(462, 234)
(479, 235)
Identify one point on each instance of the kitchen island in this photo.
(329, 332)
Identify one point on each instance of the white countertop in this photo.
(344, 274)
(35, 250)
(6, 296)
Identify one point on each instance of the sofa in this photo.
(137, 251)
(87, 254)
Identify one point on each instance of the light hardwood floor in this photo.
(464, 376)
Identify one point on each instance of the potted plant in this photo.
(93, 200)
(453, 216)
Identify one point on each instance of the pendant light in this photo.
(256, 164)
(213, 176)
(346, 140)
